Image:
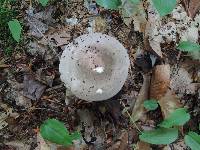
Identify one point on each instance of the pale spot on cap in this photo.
(99, 91)
(99, 69)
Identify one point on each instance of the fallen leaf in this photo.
(6, 114)
(36, 24)
(100, 24)
(3, 117)
(91, 6)
(122, 142)
(168, 103)
(35, 48)
(18, 145)
(181, 82)
(160, 81)
(9, 111)
(32, 88)
(138, 109)
(192, 7)
(134, 12)
(159, 90)
(41, 144)
(58, 36)
(4, 66)
(178, 145)
(45, 76)
(152, 36)
(142, 146)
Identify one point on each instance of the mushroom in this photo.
(94, 66)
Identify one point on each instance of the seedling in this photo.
(168, 131)
(151, 104)
(56, 132)
(163, 7)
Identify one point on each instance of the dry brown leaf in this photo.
(18, 145)
(152, 42)
(57, 36)
(138, 109)
(100, 24)
(179, 145)
(159, 90)
(122, 142)
(6, 115)
(181, 82)
(153, 38)
(134, 13)
(192, 7)
(142, 146)
(32, 88)
(168, 103)
(41, 144)
(160, 81)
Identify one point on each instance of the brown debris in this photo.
(138, 109)
(160, 81)
(142, 146)
(32, 88)
(122, 142)
(168, 103)
(159, 90)
(58, 36)
(192, 7)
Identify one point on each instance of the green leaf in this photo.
(160, 136)
(134, 1)
(177, 118)
(109, 4)
(150, 104)
(187, 46)
(44, 2)
(55, 131)
(164, 7)
(75, 135)
(192, 140)
(15, 29)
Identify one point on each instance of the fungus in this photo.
(94, 67)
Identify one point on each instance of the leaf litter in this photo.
(103, 125)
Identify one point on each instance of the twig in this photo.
(131, 118)
(30, 5)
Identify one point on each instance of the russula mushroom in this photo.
(94, 67)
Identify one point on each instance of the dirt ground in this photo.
(34, 66)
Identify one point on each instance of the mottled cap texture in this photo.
(94, 66)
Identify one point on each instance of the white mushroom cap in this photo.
(94, 66)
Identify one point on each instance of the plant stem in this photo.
(133, 122)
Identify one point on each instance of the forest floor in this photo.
(31, 90)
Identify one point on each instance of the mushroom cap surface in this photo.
(94, 66)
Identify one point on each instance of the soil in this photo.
(108, 119)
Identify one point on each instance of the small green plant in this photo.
(111, 4)
(187, 46)
(56, 132)
(192, 48)
(15, 29)
(192, 140)
(43, 2)
(160, 136)
(177, 118)
(150, 104)
(9, 30)
(163, 7)
(167, 131)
